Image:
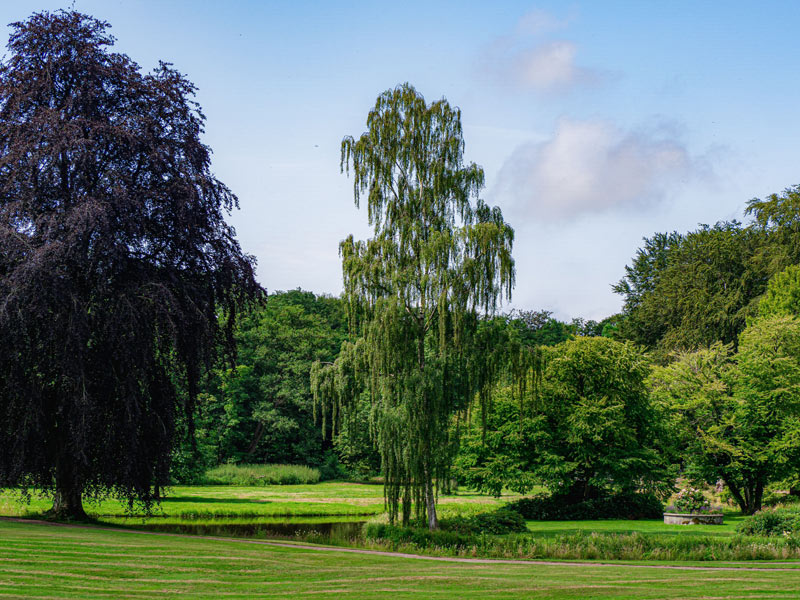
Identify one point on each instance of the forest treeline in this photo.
(698, 373)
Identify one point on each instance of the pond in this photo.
(319, 529)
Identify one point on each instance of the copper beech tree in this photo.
(115, 263)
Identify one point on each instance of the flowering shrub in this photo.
(692, 500)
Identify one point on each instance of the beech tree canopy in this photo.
(115, 262)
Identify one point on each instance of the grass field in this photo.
(215, 502)
(46, 561)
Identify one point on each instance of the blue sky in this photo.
(597, 123)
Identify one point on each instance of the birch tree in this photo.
(438, 259)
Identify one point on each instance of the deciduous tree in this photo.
(115, 262)
(439, 255)
(739, 413)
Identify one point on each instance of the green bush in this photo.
(772, 521)
(497, 522)
(780, 499)
(560, 508)
(261, 475)
(418, 537)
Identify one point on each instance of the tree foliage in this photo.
(783, 294)
(261, 410)
(439, 255)
(115, 261)
(778, 217)
(685, 292)
(739, 413)
(590, 431)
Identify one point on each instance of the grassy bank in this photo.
(50, 561)
(587, 545)
(626, 526)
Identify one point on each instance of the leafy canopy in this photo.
(261, 411)
(590, 431)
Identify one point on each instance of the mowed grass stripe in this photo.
(203, 568)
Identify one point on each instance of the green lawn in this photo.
(335, 498)
(50, 561)
(655, 526)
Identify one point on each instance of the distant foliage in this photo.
(260, 411)
(783, 294)
(561, 508)
(686, 291)
(589, 431)
(261, 475)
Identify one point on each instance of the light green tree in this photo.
(783, 294)
(739, 413)
(438, 258)
(590, 431)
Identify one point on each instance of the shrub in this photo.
(261, 475)
(772, 521)
(561, 508)
(418, 537)
(497, 522)
(780, 499)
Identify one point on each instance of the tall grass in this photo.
(583, 545)
(261, 475)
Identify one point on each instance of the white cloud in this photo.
(592, 167)
(523, 59)
(551, 67)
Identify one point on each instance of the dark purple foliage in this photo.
(115, 262)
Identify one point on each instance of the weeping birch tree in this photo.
(440, 257)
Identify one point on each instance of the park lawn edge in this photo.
(417, 553)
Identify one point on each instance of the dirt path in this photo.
(502, 561)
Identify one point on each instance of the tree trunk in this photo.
(68, 500)
(406, 505)
(748, 498)
(430, 505)
(256, 438)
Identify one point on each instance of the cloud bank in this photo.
(592, 167)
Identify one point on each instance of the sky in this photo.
(597, 123)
